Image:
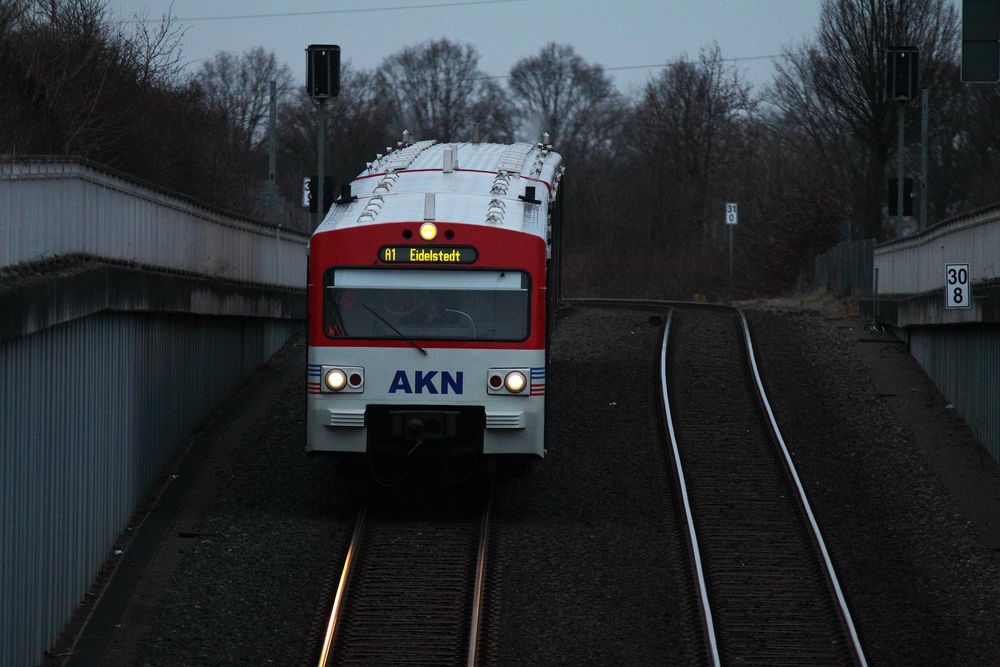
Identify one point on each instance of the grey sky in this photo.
(619, 33)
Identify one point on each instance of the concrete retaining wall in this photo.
(127, 313)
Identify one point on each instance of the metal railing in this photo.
(51, 207)
(845, 269)
(915, 264)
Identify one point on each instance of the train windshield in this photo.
(426, 304)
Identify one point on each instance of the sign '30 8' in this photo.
(957, 292)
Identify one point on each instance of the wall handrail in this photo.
(962, 221)
(56, 207)
(9, 162)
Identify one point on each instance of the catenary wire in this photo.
(322, 12)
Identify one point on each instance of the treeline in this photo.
(74, 82)
(806, 157)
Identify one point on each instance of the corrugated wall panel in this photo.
(961, 362)
(90, 413)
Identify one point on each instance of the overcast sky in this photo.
(613, 33)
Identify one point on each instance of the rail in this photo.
(828, 569)
(338, 601)
(477, 597)
(401, 648)
(706, 608)
(829, 573)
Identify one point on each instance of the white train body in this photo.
(428, 295)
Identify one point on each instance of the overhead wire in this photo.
(322, 12)
(437, 5)
(618, 68)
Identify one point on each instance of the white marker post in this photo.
(957, 290)
(732, 216)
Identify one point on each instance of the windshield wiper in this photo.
(400, 333)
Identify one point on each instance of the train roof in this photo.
(472, 183)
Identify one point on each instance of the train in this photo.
(432, 292)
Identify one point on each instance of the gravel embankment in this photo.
(247, 589)
(922, 587)
(594, 569)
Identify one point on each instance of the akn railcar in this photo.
(429, 289)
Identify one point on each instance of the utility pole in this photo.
(318, 190)
(272, 184)
(901, 121)
(272, 147)
(924, 190)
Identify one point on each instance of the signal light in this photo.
(323, 71)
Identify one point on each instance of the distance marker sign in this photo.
(731, 213)
(957, 291)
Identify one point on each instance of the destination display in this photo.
(406, 254)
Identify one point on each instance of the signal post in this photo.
(322, 82)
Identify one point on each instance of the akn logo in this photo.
(427, 383)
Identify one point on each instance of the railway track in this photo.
(767, 590)
(411, 591)
(772, 595)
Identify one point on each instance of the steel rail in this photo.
(477, 595)
(828, 568)
(338, 600)
(706, 609)
(831, 575)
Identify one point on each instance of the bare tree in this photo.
(438, 92)
(239, 88)
(358, 128)
(493, 115)
(11, 13)
(968, 157)
(833, 88)
(559, 93)
(154, 51)
(69, 79)
(685, 129)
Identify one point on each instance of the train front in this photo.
(427, 312)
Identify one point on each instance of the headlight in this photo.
(428, 231)
(335, 379)
(515, 382)
(508, 382)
